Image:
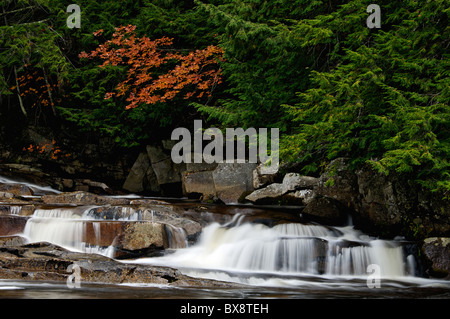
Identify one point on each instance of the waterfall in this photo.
(176, 237)
(79, 228)
(291, 248)
(65, 227)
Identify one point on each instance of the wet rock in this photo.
(83, 198)
(326, 210)
(17, 209)
(143, 235)
(437, 253)
(7, 241)
(6, 195)
(11, 225)
(15, 190)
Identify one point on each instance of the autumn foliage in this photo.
(48, 149)
(34, 86)
(192, 75)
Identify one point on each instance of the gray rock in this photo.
(305, 195)
(294, 181)
(165, 170)
(135, 181)
(199, 167)
(292, 187)
(271, 192)
(231, 180)
(199, 182)
(339, 182)
(8, 241)
(260, 179)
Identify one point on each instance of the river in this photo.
(287, 260)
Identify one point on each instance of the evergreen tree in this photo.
(384, 100)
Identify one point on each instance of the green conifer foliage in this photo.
(384, 100)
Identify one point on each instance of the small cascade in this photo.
(96, 229)
(65, 227)
(176, 237)
(15, 210)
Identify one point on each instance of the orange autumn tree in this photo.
(191, 75)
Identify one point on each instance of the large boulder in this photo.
(141, 176)
(201, 182)
(386, 205)
(339, 182)
(326, 210)
(155, 172)
(232, 180)
(165, 169)
(263, 175)
(295, 181)
(437, 252)
(295, 188)
(378, 207)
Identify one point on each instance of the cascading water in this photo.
(288, 249)
(65, 227)
(79, 228)
(37, 189)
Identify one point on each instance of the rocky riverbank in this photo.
(133, 226)
(128, 226)
(48, 262)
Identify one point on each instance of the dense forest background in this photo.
(313, 69)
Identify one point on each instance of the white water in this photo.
(288, 249)
(65, 227)
(37, 189)
(287, 255)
